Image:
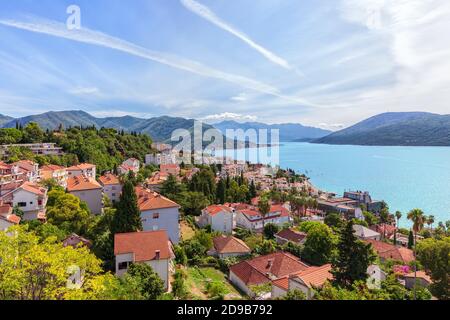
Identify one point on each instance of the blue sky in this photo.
(326, 63)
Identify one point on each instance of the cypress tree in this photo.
(252, 190)
(352, 260)
(410, 240)
(128, 215)
(221, 192)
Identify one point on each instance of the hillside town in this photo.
(231, 231)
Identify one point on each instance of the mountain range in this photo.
(395, 129)
(288, 131)
(387, 129)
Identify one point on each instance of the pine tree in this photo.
(128, 215)
(352, 259)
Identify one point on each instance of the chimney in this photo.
(269, 263)
(157, 254)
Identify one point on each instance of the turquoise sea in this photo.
(405, 177)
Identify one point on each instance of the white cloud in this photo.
(209, 15)
(120, 113)
(331, 126)
(228, 116)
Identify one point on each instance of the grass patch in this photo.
(187, 232)
(199, 278)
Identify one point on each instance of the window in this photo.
(156, 216)
(124, 265)
(155, 228)
(22, 204)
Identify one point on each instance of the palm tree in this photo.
(430, 222)
(418, 219)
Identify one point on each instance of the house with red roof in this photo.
(219, 217)
(264, 270)
(28, 169)
(29, 198)
(87, 189)
(54, 172)
(128, 165)
(112, 187)
(305, 281)
(7, 218)
(159, 213)
(251, 219)
(170, 169)
(420, 279)
(150, 247)
(83, 169)
(229, 246)
(387, 251)
(290, 235)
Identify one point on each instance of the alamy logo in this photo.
(74, 20)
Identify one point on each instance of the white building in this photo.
(83, 169)
(159, 213)
(219, 217)
(29, 198)
(54, 172)
(7, 218)
(364, 233)
(226, 247)
(252, 219)
(149, 247)
(305, 281)
(112, 187)
(88, 190)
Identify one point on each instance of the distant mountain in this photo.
(4, 119)
(288, 131)
(160, 129)
(395, 129)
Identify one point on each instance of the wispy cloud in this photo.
(101, 39)
(81, 91)
(209, 15)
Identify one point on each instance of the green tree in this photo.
(35, 270)
(418, 218)
(192, 203)
(411, 239)
(270, 230)
(294, 295)
(128, 215)
(151, 285)
(434, 256)
(32, 133)
(221, 192)
(68, 212)
(179, 289)
(320, 243)
(333, 220)
(264, 208)
(352, 259)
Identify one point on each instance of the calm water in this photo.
(405, 177)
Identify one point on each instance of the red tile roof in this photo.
(80, 183)
(81, 166)
(314, 276)
(420, 275)
(262, 269)
(52, 167)
(149, 200)
(230, 244)
(109, 179)
(390, 252)
(292, 235)
(215, 209)
(33, 188)
(144, 245)
(282, 283)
